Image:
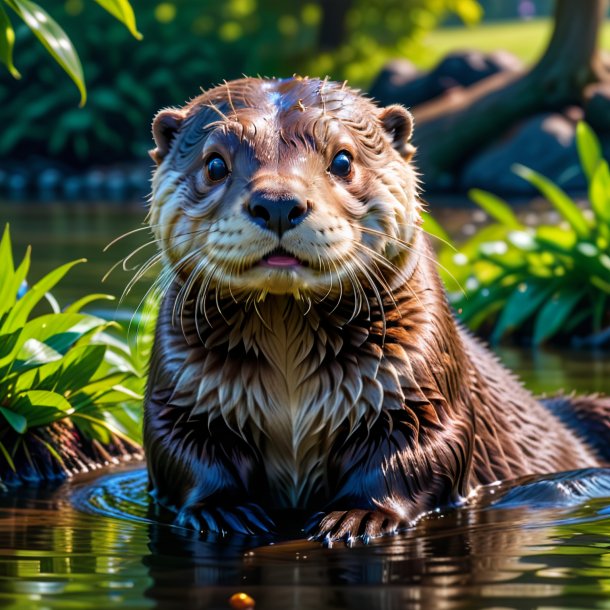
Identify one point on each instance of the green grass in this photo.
(525, 39)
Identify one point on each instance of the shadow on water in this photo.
(541, 543)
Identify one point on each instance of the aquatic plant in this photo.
(545, 281)
(69, 382)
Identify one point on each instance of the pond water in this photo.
(91, 543)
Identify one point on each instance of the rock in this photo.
(545, 143)
(73, 187)
(139, 180)
(93, 183)
(17, 184)
(399, 81)
(48, 182)
(396, 77)
(115, 185)
(597, 107)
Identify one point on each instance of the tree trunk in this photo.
(450, 128)
(332, 29)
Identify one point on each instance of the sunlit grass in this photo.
(525, 39)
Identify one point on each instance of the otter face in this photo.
(297, 186)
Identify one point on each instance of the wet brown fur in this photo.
(346, 388)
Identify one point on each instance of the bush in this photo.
(544, 282)
(70, 387)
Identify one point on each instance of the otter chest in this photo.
(290, 394)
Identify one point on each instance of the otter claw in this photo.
(248, 519)
(352, 525)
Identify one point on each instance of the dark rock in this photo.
(545, 143)
(116, 185)
(399, 81)
(93, 183)
(48, 182)
(17, 184)
(597, 107)
(139, 180)
(395, 77)
(73, 187)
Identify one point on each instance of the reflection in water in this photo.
(533, 547)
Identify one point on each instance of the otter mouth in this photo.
(280, 258)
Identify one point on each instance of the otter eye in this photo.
(341, 165)
(216, 168)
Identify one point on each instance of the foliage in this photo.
(60, 366)
(547, 281)
(53, 37)
(188, 45)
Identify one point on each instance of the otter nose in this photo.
(278, 213)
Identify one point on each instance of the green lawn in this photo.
(525, 39)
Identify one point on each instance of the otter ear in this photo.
(164, 128)
(398, 122)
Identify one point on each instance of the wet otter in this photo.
(305, 355)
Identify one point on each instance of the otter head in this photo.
(298, 186)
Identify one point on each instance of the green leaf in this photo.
(599, 192)
(562, 203)
(7, 40)
(61, 331)
(555, 312)
(497, 208)
(431, 226)
(79, 366)
(90, 298)
(34, 353)
(556, 239)
(18, 422)
(524, 301)
(23, 307)
(589, 149)
(121, 10)
(41, 407)
(7, 272)
(7, 457)
(54, 39)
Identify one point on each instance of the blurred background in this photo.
(50, 147)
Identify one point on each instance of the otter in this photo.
(306, 357)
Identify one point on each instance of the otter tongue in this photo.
(282, 261)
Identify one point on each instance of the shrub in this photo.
(547, 281)
(69, 385)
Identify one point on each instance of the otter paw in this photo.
(349, 525)
(248, 519)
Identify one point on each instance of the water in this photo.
(535, 549)
(59, 233)
(92, 543)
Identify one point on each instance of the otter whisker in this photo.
(184, 292)
(378, 258)
(202, 295)
(377, 296)
(409, 248)
(260, 317)
(123, 262)
(128, 233)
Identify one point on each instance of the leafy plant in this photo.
(68, 386)
(53, 37)
(545, 281)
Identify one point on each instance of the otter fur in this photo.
(305, 355)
